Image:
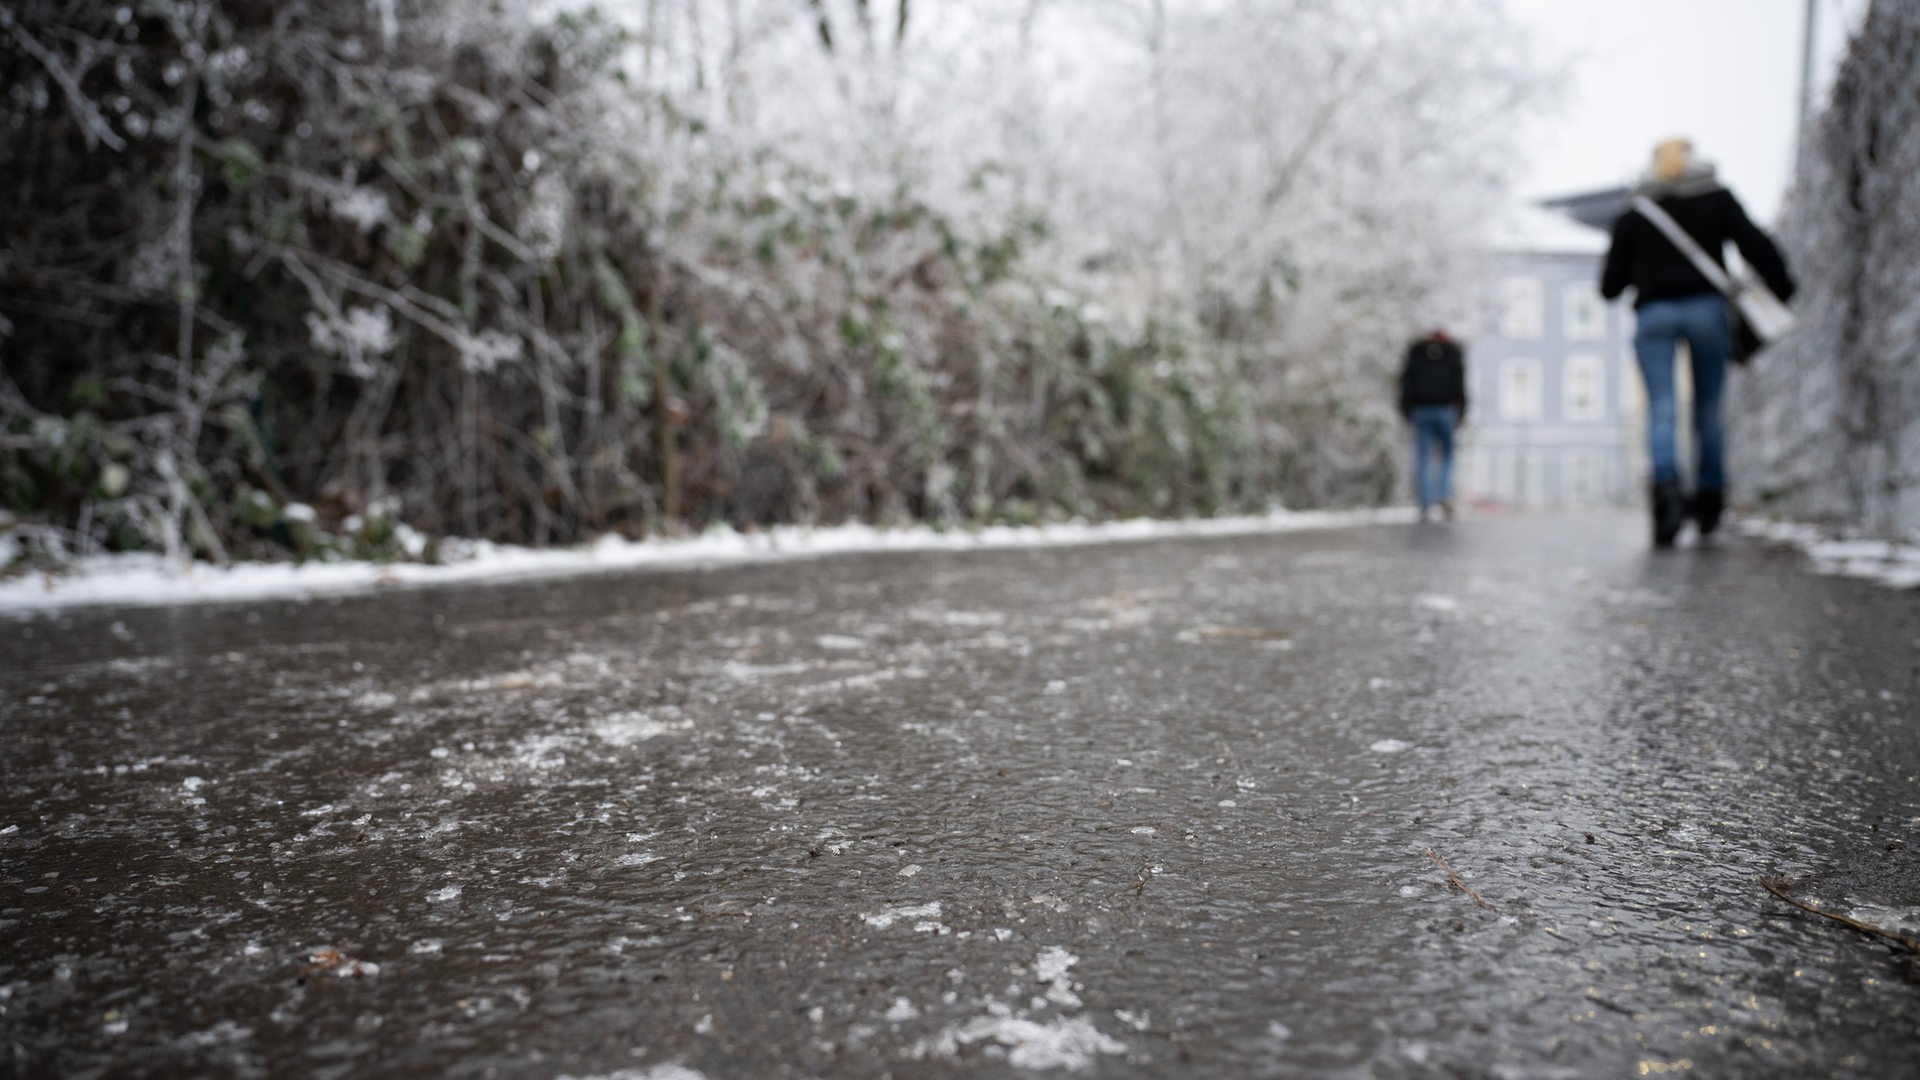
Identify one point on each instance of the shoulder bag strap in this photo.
(1671, 229)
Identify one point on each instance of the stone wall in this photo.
(1826, 424)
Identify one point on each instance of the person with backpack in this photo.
(1433, 398)
(1675, 301)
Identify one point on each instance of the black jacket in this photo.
(1435, 374)
(1642, 256)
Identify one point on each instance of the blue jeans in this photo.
(1433, 452)
(1702, 322)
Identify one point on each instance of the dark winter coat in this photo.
(1435, 374)
(1642, 257)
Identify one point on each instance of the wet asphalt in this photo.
(1495, 798)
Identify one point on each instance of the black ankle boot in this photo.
(1707, 506)
(1669, 513)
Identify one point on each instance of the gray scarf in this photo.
(1698, 179)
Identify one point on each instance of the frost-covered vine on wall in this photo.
(1831, 416)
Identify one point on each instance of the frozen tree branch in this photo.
(86, 113)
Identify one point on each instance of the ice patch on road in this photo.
(971, 618)
(540, 753)
(750, 673)
(1062, 1043)
(887, 918)
(1029, 1041)
(627, 728)
(1051, 968)
(515, 680)
(1389, 746)
(1436, 602)
(651, 1072)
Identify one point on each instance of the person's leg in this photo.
(1422, 442)
(1657, 325)
(1710, 342)
(1429, 455)
(1448, 421)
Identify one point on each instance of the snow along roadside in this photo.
(1887, 562)
(149, 579)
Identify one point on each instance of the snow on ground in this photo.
(1894, 565)
(144, 579)
(149, 579)
(1028, 1037)
(654, 1072)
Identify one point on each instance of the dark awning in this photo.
(1595, 208)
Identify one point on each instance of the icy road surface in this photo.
(1490, 799)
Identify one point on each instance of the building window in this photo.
(1520, 304)
(1584, 313)
(1520, 396)
(1633, 389)
(1583, 388)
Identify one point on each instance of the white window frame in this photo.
(1588, 370)
(1583, 314)
(1522, 302)
(1633, 389)
(1522, 398)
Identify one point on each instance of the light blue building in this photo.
(1556, 404)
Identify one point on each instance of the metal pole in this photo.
(1806, 62)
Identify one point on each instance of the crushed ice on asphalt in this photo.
(887, 918)
(651, 1072)
(1028, 1037)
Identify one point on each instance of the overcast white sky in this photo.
(1725, 73)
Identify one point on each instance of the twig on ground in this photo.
(1778, 887)
(1455, 879)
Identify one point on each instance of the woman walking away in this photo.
(1433, 397)
(1675, 302)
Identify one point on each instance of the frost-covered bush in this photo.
(304, 279)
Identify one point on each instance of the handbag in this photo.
(1758, 317)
